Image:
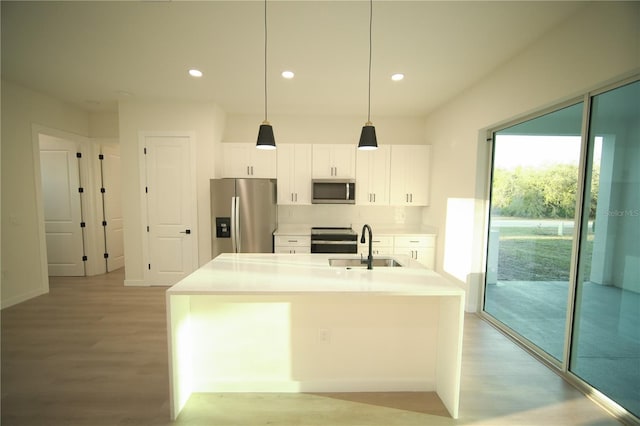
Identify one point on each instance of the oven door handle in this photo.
(334, 242)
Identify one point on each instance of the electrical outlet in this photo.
(324, 335)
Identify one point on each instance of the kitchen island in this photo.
(293, 323)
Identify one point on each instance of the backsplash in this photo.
(349, 215)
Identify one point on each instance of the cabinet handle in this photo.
(409, 194)
(292, 241)
(296, 197)
(374, 198)
(292, 197)
(251, 170)
(248, 174)
(406, 196)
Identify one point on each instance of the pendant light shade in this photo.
(368, 140)
(265, 137)
(266, 140)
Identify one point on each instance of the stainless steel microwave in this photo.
(333, 191)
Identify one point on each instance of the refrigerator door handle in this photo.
(233, 225)
(238, 248)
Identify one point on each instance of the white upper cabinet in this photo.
(334, 161)
(372, 176)
(294, 173)
(244, 160)
(410, 175)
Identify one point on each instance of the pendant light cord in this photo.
(370, 42)
(265, 60)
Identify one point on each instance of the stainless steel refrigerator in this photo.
(243, 215)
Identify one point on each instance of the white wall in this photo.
(206, 121)
(599, 44)
(23, 273)
(103, 125)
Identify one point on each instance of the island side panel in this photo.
(241, 343)
(180, 352)
(448, 371)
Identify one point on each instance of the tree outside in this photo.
(536, 208)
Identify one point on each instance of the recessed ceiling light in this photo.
(397, 77)
(195, 73)
(288, 74)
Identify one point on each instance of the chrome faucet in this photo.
(370, 257)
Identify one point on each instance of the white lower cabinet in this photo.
(382, 245)
(419, 247)
(292, 244)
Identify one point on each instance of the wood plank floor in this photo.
(93, 352)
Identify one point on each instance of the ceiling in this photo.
(93, 54)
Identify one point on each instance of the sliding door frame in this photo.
(560, 367)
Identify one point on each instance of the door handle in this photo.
(186, 231)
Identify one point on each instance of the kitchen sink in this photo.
(384, 262)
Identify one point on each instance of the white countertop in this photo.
(293, 229)
(268, 274)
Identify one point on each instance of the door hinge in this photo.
(145, 150)
(104, 223)
(82, 224)
(103, 190)
(78, 155)
(100, 157)
(146, 189)
(84, 258)
(149, 266)
(147, 228)
(81, 190)
(106, 255)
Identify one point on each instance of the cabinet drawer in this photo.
(293, 240)
(415, 241)
(376, 251)
(292, 250)
(379, 241)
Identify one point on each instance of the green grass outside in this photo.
(536, 254)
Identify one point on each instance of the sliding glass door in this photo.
(563, 249)
(606, 339)
(533, 198)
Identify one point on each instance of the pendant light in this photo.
(368, 140)
(266, 140)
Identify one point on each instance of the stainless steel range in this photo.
(333, 240)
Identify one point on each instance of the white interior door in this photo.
(171, 209)
(62, 206)
(111, 181)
